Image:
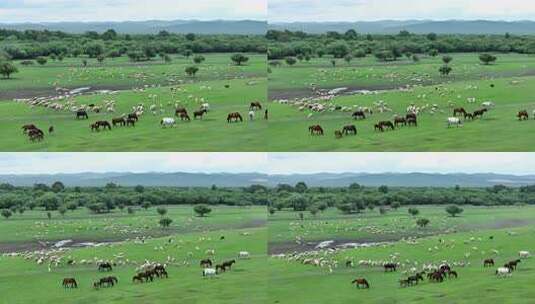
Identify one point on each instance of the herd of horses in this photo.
(157, 271)
(34, 133)
(439, 275)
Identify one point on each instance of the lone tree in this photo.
(454, 210)
(487, 58)
(41, 60)
(198, 59)
(202, 210)
(290, 61)
(239, 59)
(165, 222)
(445, 70)
(422, 222)
(161, 211)
(192, 70)
(7, 213)
(447, 59)
(7, 68)
(414, 211)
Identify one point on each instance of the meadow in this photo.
(225, 86)
(463, 242)
(389, 88)
(227, 231)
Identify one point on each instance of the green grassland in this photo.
(508, 84)
(226, 87)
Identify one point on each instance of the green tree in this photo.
(239, 59)
(161, 211)
(447, 59)
(487, 59)
(7, 68)
(201, 210)
(191, 71)
(445, 70)
(41, 60)
(165, 222)
(290, 61)
(454, 210)
(414, 211)
(422, 222)
(57, 187)
(6, 213)
(198, 59)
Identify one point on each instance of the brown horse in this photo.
(138, 277)
(220, 268)
(105, 266)
(94, 127)
(81, 114)
(361, 283)
(228, 264)
(349, 130)
(359, 115)
(234, 117)
(133, 116)
(378, 127)
(400, 121)
(479, 113)
(109, 281)
(488, 263)
(179, 111)
(131, 122)
(184, 116)
(199, 113)
(461, 111)
(36, 134)
(512, 264)
(118, 121)
(69, 283)
(206, 263)
(410, 116)
(387, 124)
(28, 127)
(104, 124)
(469, 116)
(523, 115)
(412, 122)
(315, 130)
(255, 105)
(390, 267)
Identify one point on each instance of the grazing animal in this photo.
(255, 105)
(468, 116)
(378, 127)
(349, 130)
(386, 125)
(179, 111)
(503, 272)
(184, 116)
(359, 115)
(390, 267)
(454, 121)
(452, 273)
(458, 111)
(209, 272)
(228, 264)
(27, 128)
(206, 263)
(234, 117)
(133, 116)
(118, 121)
(410, 116)
(523, 115)
(243, 255)
(94, 127)
(361, 283)
(69, 283)
(488, 262)
(512, 264)
(412, 121)
(106, 266)
(131, 122)
(524, 254)
(167, 122)
(315, 130)
(81, 114)
(108, 281)
(400, 121)
(199, 113)
(104, 124)
(479, 113)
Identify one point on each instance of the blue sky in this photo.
(121, 10)
(369, 10)
(280, 163)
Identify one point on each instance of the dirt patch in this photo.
(49, 92)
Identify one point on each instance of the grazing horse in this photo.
(479, 113)
(131, 122)
(118, 121)
(488, 262)
(81, 114)
(104, 124)
(69, 283)
(452, 273)
(445, 268)
(220, 268)
(378, 127)
(206, 263)
(468, 116)
(415, 279)
(234, 117)
(228, 264)
(400, 120)
(315, 130)
(457, 111)
(138, 277)
(523, 115)
(410, 116)
(454, 121)
(386, 124)
(255, 105)
(412, 121)
(359, 115)
(180, 111)
(338, 134)
(390, 267)
(199, 113)
(28, 127)
(133, 116)
(349, 130)
(167, 122)
(184, 116)
(94, 127)
(361, 283)
(436, 276)
(108, 281)
(106, 266)
(512, 264)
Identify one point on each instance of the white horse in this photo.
(167, 122)
(503, 272)
(454, 121)
(251, 115)
(524, 254)
(243, 255)
(209, 272)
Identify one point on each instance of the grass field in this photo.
(465, 239)
(506, 83)
(188, 239)
(226, 87)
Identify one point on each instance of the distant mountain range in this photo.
(414, 26)
(244, 27)
(245, 179)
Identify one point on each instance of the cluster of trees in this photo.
(349, 45)
(32, 44)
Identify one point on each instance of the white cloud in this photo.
(367, 10)
(121, 10)
(275, 163)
